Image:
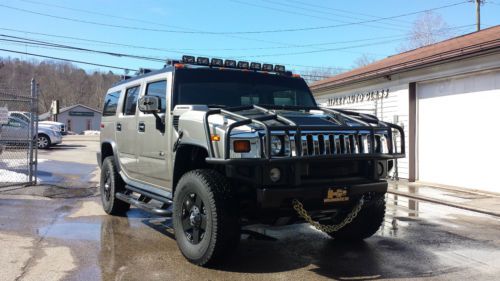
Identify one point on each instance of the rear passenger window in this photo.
(131, 101)
(158, 89)
(110, 104)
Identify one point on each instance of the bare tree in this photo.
(427, 29)
(363, 60)
(58, 80)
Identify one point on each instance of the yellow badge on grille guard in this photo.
(337, 195)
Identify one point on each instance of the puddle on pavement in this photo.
(72, 231)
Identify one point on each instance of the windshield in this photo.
(228, 88)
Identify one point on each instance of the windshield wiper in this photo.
(277, 106)
(216, 105)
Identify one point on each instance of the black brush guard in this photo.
(369, 123)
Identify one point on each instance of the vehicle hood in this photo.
(299, 117)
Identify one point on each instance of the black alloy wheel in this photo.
(194, 217)
(205, 217)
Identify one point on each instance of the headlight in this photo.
(276, 145)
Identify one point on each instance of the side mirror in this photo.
(150, 104)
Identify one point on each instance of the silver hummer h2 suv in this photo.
(218, 145)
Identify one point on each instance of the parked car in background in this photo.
(16, 132)
(26, 116)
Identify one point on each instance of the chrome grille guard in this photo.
(371, 139)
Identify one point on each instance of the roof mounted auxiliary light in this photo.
(267, 67)
(279, 68)
(230, 63)
(216, 62)
(243, 64)
(255, 66)
(187, 59)
(202, 61)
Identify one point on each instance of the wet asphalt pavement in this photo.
(66, 236)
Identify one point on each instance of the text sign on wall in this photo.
(4, 115)
(359, 97)
(81, 113)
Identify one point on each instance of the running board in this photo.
(148, 194)
(144, 206)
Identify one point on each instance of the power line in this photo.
(207, 49)
(228, 32)
(303, 14)
(139, 47)
(48, 44)
(310, 4)
(334, 49)
(68, 60)
(40, 43)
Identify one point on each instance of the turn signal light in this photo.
(215, 138)
(241, 146)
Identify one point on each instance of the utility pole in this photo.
(478, 15)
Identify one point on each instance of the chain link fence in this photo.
(18, 135)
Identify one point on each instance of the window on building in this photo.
(110, 104)
(89, 124)
(131, 101)
(69, 125)
(158, 89)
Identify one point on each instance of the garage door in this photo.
(458, 131)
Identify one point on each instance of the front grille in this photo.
(314, 144)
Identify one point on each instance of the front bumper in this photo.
(55, 140)
(314, 196)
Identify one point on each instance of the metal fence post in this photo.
(31, 132)
(35, 113)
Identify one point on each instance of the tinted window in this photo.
(131, 101)
(158, 89)
(236, 88)
(110, 104)
(16, 123)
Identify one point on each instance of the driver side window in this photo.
(15, 123)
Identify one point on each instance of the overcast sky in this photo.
(266, 31)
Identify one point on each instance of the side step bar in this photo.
(148, 194)
(145, 206)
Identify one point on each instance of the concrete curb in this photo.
(441, 202)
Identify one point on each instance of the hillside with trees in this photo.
(58, 80)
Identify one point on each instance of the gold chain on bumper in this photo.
(327, 228)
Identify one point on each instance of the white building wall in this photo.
(397, 103)
(386, 108)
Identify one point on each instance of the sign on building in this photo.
(81, 113)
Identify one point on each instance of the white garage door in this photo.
(458, 131)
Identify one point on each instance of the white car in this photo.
(25, 116)
(16, 131)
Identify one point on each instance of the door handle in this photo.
(118, 126)
(142, 127)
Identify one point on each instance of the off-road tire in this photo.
(368, 221)
(43, 141)
(222, 232)
(111, 183)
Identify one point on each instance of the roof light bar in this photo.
(243, 64)
(216, 62)
(230, 63)
(202, 61)
(187, 59)
(255, 66)
(267, 67)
